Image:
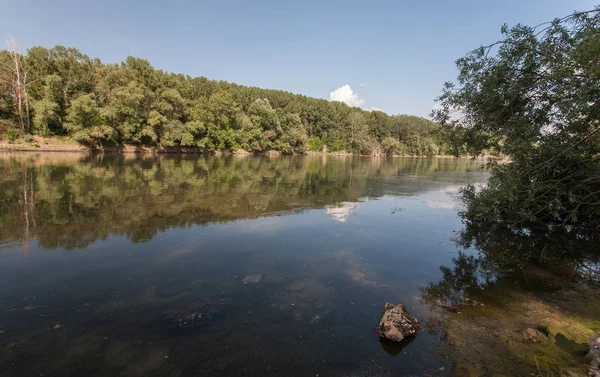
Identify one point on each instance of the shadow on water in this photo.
(395, 348)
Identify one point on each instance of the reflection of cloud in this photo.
(446, 199)
(262, 225)
(354, 268)
(341, 211)
(180, 252)
(448, 204)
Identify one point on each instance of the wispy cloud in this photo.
(455, 113)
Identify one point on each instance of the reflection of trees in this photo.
(521, 298)
(81, 199)
(453, 289)
(514, 258)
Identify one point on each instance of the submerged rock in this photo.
(450, 338)
(446, 305)
(198, 313)
(252, 279)
(319, 317)
(594, 354)
(295, 286)
(465, 370)
(189, 319)
(531, 335)
(396, 323)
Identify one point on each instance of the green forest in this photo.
(61, 91)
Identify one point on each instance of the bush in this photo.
(12, 135)
(336, 146)
(391, 146)
(533, 193)
(315, 144)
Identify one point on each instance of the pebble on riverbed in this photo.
(594, 354)
(252, 279)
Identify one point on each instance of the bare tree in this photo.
(18, 81)
(375, 148)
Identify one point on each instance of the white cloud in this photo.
(455, 112)
(374, 109)
(347, 95)
(437, 106)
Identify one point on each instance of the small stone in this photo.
(450, 337)
(531, 335)
(252, 279)
(56, 327)
(594, 354)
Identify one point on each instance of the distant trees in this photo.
(359, 131)
(85, 123)
(60, 91)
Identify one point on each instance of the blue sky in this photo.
(394, 55)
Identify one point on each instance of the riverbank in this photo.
(539, 324)
(65, 144)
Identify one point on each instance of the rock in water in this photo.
(396, 324)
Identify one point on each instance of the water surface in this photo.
(206, 266)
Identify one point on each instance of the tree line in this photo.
(61, 91)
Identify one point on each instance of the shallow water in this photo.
(189, 266)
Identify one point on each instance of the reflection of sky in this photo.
(447, 204)
(445, 199)
(342, 211)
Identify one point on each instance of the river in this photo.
(234, 266)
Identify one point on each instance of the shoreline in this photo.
(52, 145)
